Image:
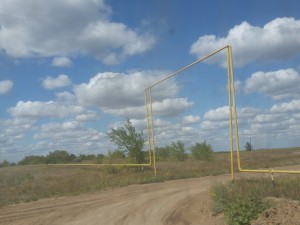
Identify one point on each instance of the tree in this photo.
(58, 156)
(202, 151)
(32, 160)
(117, 154)
(4, 163)
(178, 151)
(248, 146)
(129, 141)
(163, 153)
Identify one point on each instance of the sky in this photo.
(72, 70)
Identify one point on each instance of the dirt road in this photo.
(172, 202)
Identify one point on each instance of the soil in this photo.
(178, 202)
(283, 211)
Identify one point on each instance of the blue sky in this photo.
(71, 70)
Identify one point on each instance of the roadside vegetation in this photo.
(243, 200)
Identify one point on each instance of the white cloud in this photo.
(50, 109)
(5, 86)
(117, 90)
(51, 83)
(292, 106)
(34, 28)
(167, 107)
(171, 107)
(277, 84)
(61, 62)
(65, 96)
(217, 114)
(90, 116)
(12, 133)
(190, 119)
(276, 40)
(70, 135)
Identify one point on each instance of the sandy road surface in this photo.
(172, 202)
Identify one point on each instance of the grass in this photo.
(242, 201)
(29, 183)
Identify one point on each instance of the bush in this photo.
(59, 156)
(241, 203)
(177, 151)
(163, 153)
(202, 151)
(4, 163)
(117, 154)
(33, 160)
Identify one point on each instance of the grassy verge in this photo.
(242, 201)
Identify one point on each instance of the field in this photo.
(30, 183)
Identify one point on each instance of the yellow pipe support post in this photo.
(147, 125)
(153, 141)
(230, 112)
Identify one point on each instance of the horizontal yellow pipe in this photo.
(270, 171)
(94, 164)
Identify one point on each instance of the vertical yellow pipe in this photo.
(230, 112)
(234, 110)
(147, 124)
(153, 142)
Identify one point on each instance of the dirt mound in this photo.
(283, 212)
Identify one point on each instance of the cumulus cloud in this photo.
(5, 86)
(292, 106)
(217, 114)
(190, 119)
(118, 90)
(51, 83)
(39, 29)
(277, 84)
(167, 107)
(70, 135)
(61, 62)
(276, 40)
(39, 109)
(171, 107)
(89, 116)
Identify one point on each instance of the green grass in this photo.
(29, 183)
(242, 201)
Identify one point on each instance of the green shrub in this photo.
(242, 211)
(163, 153)
(178, 151)
(202, 151)
(240, 206)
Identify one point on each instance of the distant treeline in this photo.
(58, 156)
(174, 152)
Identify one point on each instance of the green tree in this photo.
(163, 153)
(248, 146)
(129, 141)
(202, 151)
(116, 154)
(4, 163)
(58, 156)
(32, 160)
(178, 151)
